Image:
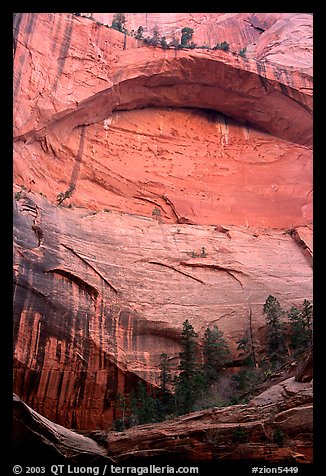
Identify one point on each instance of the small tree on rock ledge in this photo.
(118, 22)
(186, 35)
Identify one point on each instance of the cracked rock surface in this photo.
(151, 187)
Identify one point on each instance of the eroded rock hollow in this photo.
(184, 180)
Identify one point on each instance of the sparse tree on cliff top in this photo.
(186, 35)
(164, 43)
(118, 22)
(156, 36)
(140, 32)
(243, 52)
(224, 46)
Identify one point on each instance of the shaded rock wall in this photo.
(38, 440)
(166, 157)
(101, 295)
(241, 432)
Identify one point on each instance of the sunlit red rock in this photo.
(169, 152)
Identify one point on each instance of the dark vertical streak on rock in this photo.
(65, 45)
(20, 296)
(58, 351)
(59, 389)
(30, 24)
(79, 156)
(43, 337)
(37, 338)
(99, 312)
(111, 387)
(56, 34)
(30, 21)
(48, 380)
(124, 319)
(17, 18)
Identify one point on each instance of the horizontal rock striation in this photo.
(249, 432)
(38, 440)
(86, 324)
(241, 432)
(151, 187)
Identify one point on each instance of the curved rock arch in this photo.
(241, 89)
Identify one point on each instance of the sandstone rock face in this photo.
(245, 432)
(214, 433)
(281, 38)
(36, 439)
(190, 196)
(101, 295)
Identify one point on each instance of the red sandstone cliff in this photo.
(168, 152)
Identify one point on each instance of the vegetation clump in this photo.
(224, 46)
(201, 380)
(118, 22)
(243, 52)
(186, 36)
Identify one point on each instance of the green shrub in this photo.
(119, 425)
(174, 43)
(139, 34)
(224, 46)
(118, 22)
(164, 43)
(278, 437)
(242, 52)
(186, 35)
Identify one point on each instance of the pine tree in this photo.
(156, 36)
(118, 22)
(164, 43)
(165, 373)
(249, 376)
(246, 345)
(186, 35)
(243, 52)
(121, 423)
(276, 348)
(139, 34)
(307, 315)
(143, 406)
(215, 353)
(187, 383)
(164, 395)
(244, 349)
(300, 331)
